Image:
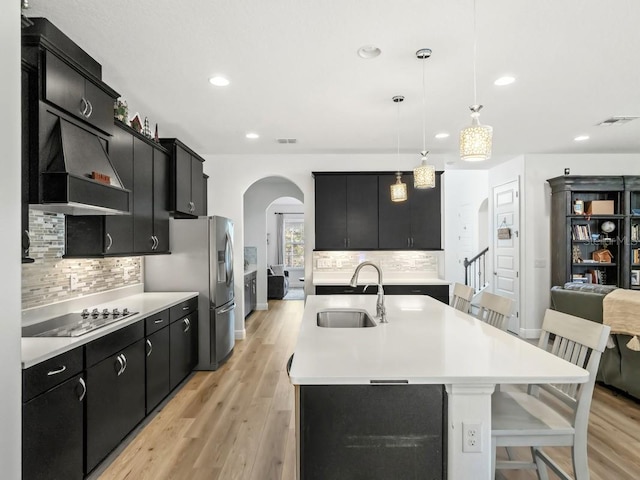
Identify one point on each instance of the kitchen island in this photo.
(425, 342)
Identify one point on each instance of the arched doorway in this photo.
(258, 199)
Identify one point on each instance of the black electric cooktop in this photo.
(75, 324)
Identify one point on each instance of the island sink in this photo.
(345, 318)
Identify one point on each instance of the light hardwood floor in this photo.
(238, 422)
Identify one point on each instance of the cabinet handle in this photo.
(125, 363)
(408, 242)
(157, 241)
(344, 242)
(88, 114)
(84, 389)
(83, 106)
(188, 325)
(185, 308)
(149, 344)
(120, 368)
(158, 321)
(56, 372)
(28, 237)
(110, 242)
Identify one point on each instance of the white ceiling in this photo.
(295, 73)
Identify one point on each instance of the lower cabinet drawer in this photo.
(48, 374)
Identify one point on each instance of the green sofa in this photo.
(619, 366)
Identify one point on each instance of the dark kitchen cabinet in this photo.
(183, 349)
(151, 216)
(157, 367)
(28, 83)
(52, 430)
(53, 418)
(375, 432)
(86, 99)
(250, 293)
(346, 211)
(439, 292)
(143, 167)
(115, 393)
(413, 224)
(188, 184)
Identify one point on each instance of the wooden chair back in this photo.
(462, 295)
(494, 310)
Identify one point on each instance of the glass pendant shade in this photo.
(476, 139)
(424, 175)
(398, 190)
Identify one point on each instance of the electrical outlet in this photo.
(471, 437)
(73, 281)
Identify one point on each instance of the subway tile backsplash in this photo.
(48, 279)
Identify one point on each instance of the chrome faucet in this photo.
(381, 312)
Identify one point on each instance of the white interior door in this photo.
(506, 247)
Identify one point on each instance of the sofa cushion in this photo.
(584, 304)
(589, 287)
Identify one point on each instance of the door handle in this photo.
(84, 105)
(88, 114)
(110, 242)
(187, 325)
(84, 389)
(150, 345)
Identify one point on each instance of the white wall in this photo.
(256, 201)
(464, 190)
(10, 364)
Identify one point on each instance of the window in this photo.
(294, 243)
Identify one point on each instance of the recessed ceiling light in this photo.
(369, 51)
(252, 135)
(442, 135)
(506, 80)
(219, 81)
(581, 138)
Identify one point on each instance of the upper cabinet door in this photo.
(394, 228)
(161, 165)
(69, 90)
(197, 186)
(331, 212)
(362, 211)
(182, 181)
(143, 196)
(426, 217)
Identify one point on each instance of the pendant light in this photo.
(398, 189)
(476, 139)
(424, 175)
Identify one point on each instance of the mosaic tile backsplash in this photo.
(48, 279)
(389, 261)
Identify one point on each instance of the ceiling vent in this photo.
(287, 140)
(615, 121)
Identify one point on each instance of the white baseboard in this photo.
(529, 333)
(241, 334)
(262, 306)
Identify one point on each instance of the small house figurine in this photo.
(136, 123)
(146, 130)
(603, 256)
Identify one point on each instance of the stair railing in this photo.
(475, 271)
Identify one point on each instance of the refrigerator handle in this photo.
(228, 309)
(229, 258)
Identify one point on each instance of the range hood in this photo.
(76, 176)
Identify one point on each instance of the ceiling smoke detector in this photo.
(287, 140)
(615, 121)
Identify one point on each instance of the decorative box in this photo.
(599, 207)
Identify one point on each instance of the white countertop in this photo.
(425, 341)
(38, 349)
(369, 276)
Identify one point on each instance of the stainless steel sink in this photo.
(345, 318)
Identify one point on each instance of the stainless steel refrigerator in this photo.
(201, 260)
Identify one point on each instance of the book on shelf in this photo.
(635, 232)
(581, 232)
(635, 258)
